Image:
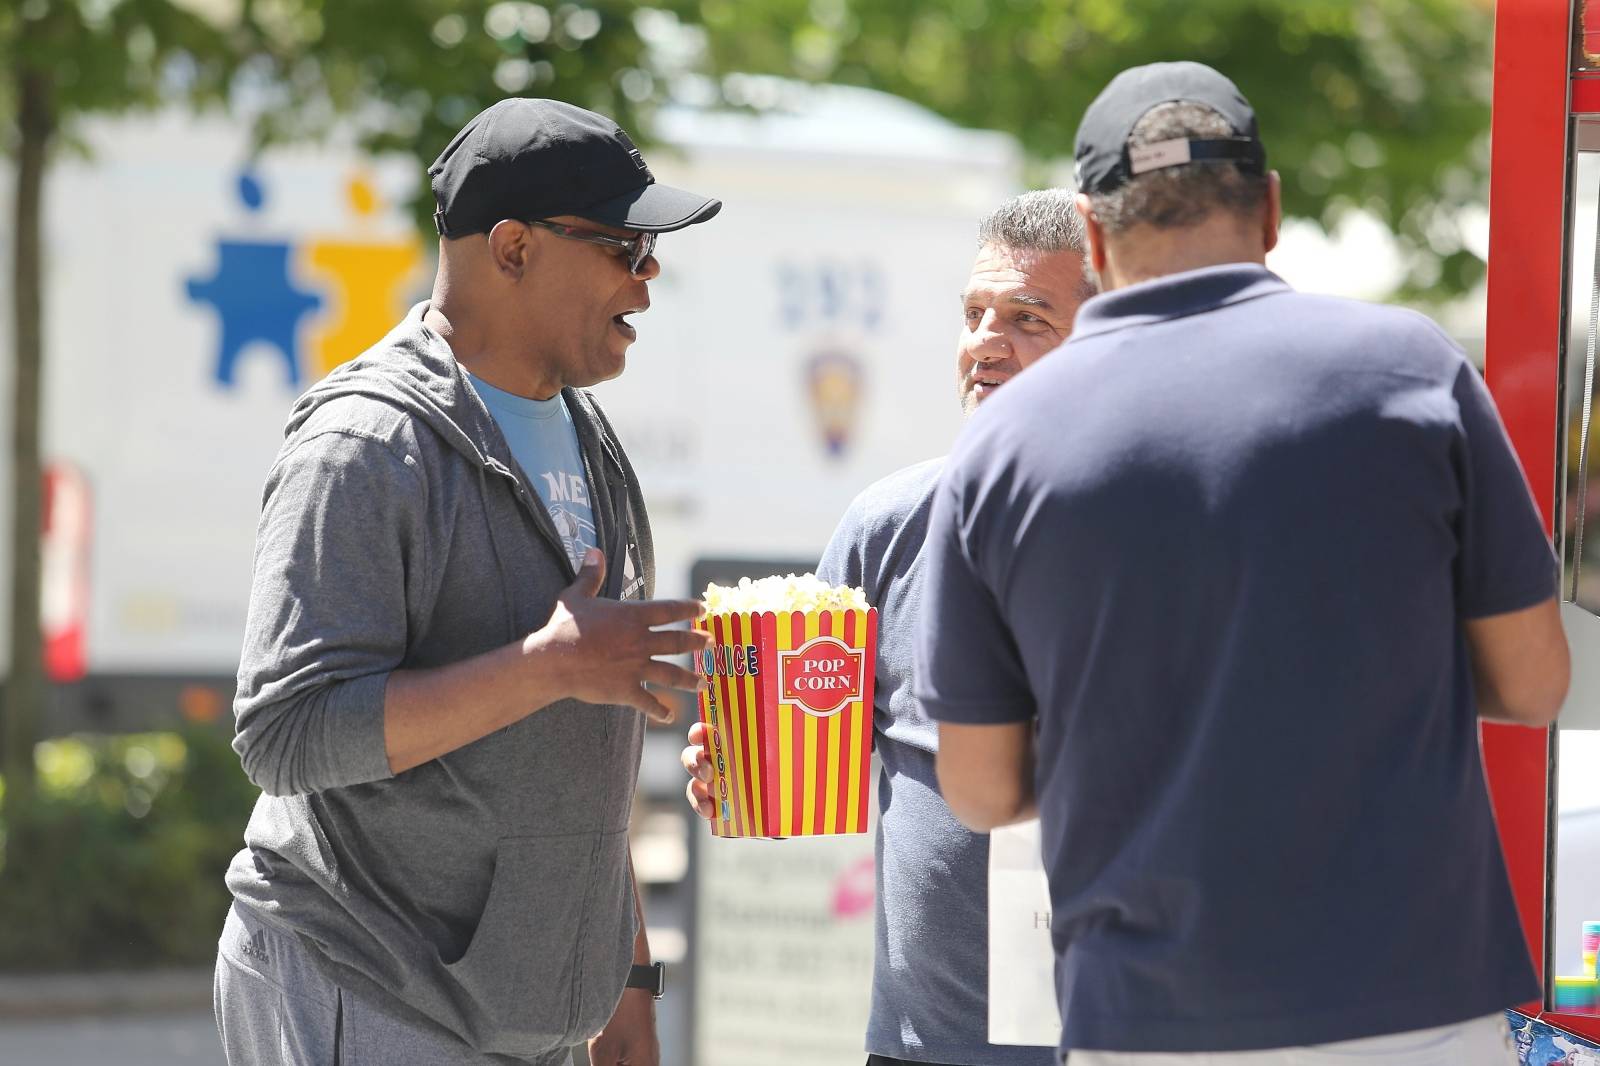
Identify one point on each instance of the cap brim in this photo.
(657, 208)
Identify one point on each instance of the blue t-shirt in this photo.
(930, 974)
(544, 442)
(1221, 544)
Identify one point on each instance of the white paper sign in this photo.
(1022, 961)
(783, 950)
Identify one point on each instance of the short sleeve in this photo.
(968, 668)
(842, 560)
(1505, 561)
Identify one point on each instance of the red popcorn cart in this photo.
(1541, 349)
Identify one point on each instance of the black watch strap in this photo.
(652, 977)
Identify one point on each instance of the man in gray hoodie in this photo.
(442, 691)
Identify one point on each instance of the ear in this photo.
(511, 248)
(1094, 235)
(1272, 220)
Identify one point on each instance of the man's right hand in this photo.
(698, 765)
(604, 651)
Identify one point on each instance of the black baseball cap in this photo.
(530, 159)
(1104, 159)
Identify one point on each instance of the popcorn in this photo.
(805, 592)
(788, 706)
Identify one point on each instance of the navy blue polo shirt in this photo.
(1221, 545)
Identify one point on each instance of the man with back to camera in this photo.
(442, 690)
(1235, 630)
(930, 987)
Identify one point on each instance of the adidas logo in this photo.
(633, 583)
(255, 947)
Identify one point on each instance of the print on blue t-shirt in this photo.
(545, 444)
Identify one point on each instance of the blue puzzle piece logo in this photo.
(253, 295)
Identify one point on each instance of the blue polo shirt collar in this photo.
(1191, 292)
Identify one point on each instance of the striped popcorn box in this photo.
(788, 709)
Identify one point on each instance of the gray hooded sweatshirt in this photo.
(487, 891)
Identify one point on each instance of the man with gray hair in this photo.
(931, 968)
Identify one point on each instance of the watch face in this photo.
(652, 978)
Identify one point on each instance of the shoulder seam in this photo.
(358, 434)
(412, 468)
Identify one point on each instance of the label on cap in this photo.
(1161, 154)
(633, 153)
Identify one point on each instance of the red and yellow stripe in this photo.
(780, 769)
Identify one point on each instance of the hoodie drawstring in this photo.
(499, 563)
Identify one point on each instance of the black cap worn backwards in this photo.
(1104, 159)
(532, 159)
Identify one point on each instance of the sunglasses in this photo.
(638, 248)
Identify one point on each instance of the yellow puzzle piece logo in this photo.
(367, 291)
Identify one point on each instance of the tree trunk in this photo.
(25, 683)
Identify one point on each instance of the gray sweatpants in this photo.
(275, 1007)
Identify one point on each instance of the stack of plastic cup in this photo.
(1591, 946)
(1577, 993)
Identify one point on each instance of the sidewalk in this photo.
(41, 996)
(187, 1038)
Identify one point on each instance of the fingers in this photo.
(666, 612)
(666, 675)
(670, 675)
(699, 796)
(677, 641)
(695, 762)
(653, 707)
(591, 575)
(697, 735)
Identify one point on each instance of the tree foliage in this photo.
(1376, 104)
(114, 56)
(61, 60)
(406, 76)
(117, 858)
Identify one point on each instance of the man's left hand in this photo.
(629, 1038)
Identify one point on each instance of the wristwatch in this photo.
(652, 977)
